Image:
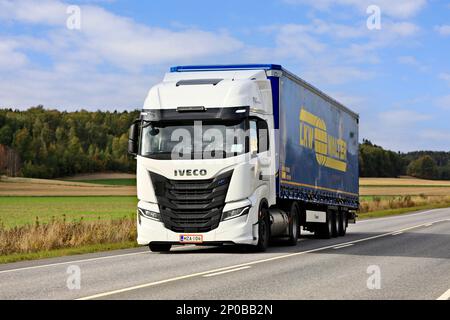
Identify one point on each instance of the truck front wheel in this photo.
(159, 247)
(263, 229)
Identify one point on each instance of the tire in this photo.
(342, 223)
(263, 229)
(335, 219)
(294, 225)
(159, 247)
(325, 230)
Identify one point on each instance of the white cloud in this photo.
(10, 58)
(47, 12)
(105, 64)
(402, 130)
(445, 76)
(119, 40)
(413, 62)
(65, 88)
(354, 102)
(403, 29)
(402, 118)
(443, 30)
(396, 9)
(439, 136)
(332, 53)
(443, 102)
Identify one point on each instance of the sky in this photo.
(106, 54)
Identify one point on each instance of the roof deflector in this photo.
(194, 82)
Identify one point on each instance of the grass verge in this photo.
(400, 211)
(112, 182)
(9, 258)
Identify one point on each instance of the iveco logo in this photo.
(190, 172)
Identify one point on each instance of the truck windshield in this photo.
(193, 140)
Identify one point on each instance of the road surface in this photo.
(402, 257)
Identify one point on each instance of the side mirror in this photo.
(133, 139)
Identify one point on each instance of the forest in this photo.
(52, 143)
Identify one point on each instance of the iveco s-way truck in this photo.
(242, 154)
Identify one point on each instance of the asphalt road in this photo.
(402, 257)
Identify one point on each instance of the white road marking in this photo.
(445, 296)
(405, 215)
(151, 284)
(92, 259)
(397, 233)
(226, 271)
(73, 261)
(428, 225)
(344, 246)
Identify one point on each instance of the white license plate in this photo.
(191, 238)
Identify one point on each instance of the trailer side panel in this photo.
(318, 147)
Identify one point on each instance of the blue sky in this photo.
(397, 77)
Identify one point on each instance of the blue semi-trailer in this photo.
(240, 154)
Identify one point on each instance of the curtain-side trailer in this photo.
(240, 154)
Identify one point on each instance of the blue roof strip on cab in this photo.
(226, 67)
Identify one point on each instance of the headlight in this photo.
(150, 214)
(235, 213)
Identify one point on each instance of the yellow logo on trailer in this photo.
(331, 152)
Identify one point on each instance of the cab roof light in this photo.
(191, 109)
(194, 82)
(226, 67)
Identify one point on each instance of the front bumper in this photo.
(240, 230)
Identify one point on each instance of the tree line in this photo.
(52, 143)
(374, 161)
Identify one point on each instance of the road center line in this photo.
(151, 284)
(344, 246)
(406, 215)
(397, 233)
(445, 296)
(226, 271)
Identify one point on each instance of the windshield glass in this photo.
(193, 140)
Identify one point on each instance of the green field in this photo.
(17, 211)
(113, 182)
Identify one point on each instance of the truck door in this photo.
(259, 149)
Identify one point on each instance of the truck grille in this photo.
(191, 205)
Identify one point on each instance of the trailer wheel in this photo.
(342, 223)
(263, 228)
(294, 225)
(325, 230)
(159, 247)
(335, 219)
